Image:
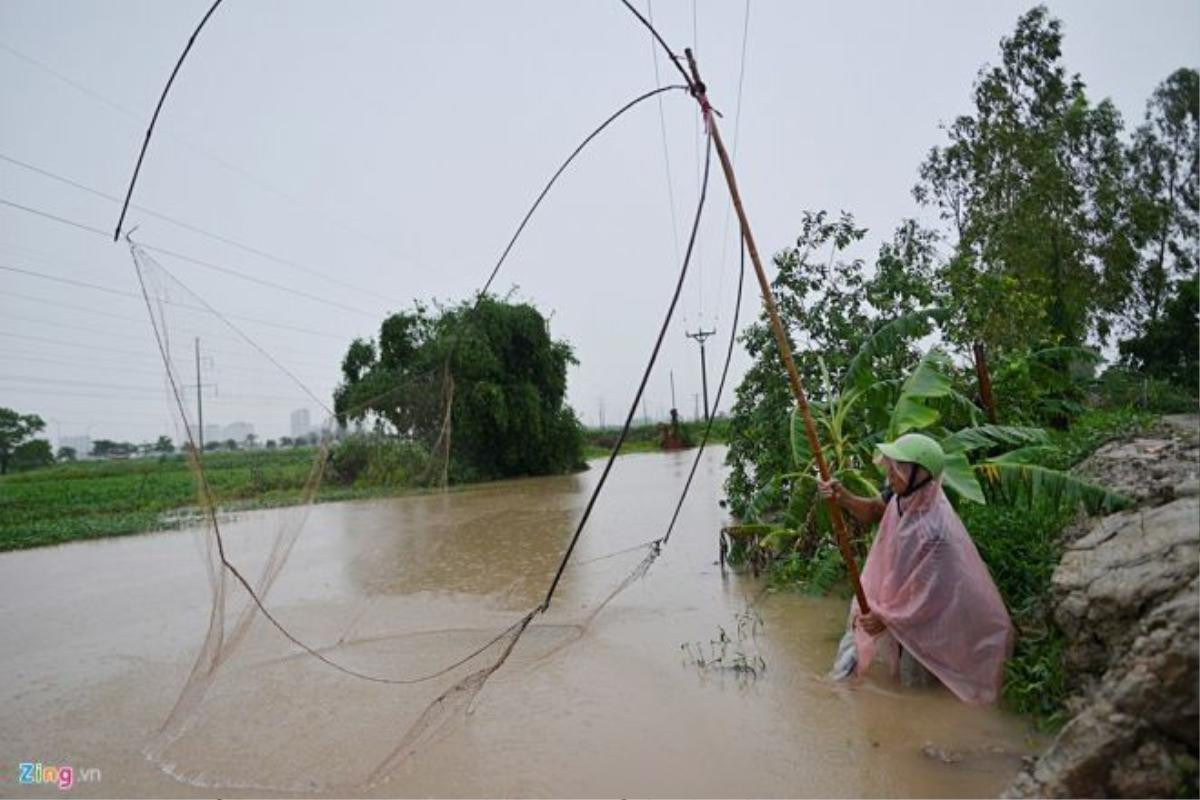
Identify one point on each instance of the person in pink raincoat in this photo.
(934, 609)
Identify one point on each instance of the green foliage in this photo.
(1168, 347)
(823, 292)
(1045, 385)
(32, 454)
(1022, 546)
(496, 365)
(1119, 387)
(15, 430)
(1033, 184)
(647, 437)
(375, 460)
(90, 499)
(1165, 192)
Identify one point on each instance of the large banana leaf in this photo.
(1032, 484)
(887, 338)
(1026, 455)
(765, 499)
(928, 380)
(983, 437)
(959, 476)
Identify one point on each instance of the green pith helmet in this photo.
(917, 448)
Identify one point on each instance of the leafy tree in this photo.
(32, 454)
(286, 441)
(1033, 185)
(251, 439)
(271, 444)
(231, 444)
(164, 445)
(1166, 193)
(830, 306)
(66, 454)
(210, 446)
(15, 429)
(1169, 345)
(1001, 463)
(495, 365)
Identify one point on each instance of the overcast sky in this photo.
(390, 148)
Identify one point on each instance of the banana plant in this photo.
(996, 462)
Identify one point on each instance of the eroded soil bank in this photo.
(1127, 598)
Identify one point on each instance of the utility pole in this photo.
(700, 336)
(200, 387)
(696, 407)
(673, 406)
(199, 398)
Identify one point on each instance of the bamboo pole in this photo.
(781, 339)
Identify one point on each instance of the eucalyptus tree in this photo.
(1032, 187)
(1165, 162)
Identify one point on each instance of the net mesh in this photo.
(303, 663)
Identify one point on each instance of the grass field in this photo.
(91, 499)
(598, 442)
(104, 498)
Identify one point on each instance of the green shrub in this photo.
(373, 460)
(1120, 387)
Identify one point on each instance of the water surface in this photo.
(100, 638)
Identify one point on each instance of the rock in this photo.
(1123, 566)
(1126, 595)
(1147, 772)
(1149, 468)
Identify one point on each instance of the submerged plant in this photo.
(737, 655)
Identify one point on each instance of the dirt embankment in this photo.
(1126, 595)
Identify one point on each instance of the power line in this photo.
(737, 126)
(91, 346)
(125, 365)
(96, 287)
(138, 253)
(260, 281)
(197, 261)
(55, 217)
(662, 123)
(138, 117)
(193, 228)
(109, 314)
(22, 379)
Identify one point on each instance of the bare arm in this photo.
(865, 509)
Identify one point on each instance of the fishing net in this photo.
(291, 659)
(394, 621)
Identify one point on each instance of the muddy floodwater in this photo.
(99, 639)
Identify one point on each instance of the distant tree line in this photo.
(1062, 234)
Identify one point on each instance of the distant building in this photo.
(301, 423)
(238, 431)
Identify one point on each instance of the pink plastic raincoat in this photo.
(925, 580)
